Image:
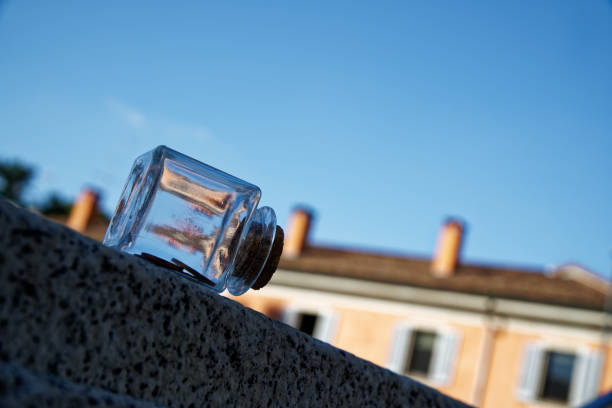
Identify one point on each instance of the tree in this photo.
(55, 205)
(13, 179)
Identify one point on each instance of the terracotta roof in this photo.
(504, 282)
(559, 288)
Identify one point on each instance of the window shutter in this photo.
(399, 349)
(444, 357)
(531, 373)
(324, 329)
(290, 316)
(585, 379)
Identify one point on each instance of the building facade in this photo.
(490, 336)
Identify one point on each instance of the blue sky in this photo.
(385, 117)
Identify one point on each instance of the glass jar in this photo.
(185, 215)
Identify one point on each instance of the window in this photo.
(306, 322)
(561, 376)
(419, 360)
(557, 376)
(424, 353)
(317, 323)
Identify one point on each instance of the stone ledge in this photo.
(20, 387)
(77, 310)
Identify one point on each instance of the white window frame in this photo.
(585, 378)
(444, 355)
(327, 320)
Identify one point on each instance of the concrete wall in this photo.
(85, 314)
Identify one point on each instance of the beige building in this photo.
(490, 336)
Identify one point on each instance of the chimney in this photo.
(82, 210)
(447, 250)
(297, 232)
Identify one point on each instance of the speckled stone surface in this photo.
(20, 387)
(74, 309)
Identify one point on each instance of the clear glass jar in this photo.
(195, 219)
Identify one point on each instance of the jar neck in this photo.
(255, 256)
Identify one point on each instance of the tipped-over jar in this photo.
(190, 217)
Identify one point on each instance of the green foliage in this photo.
(14, 177)
(56, 205)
